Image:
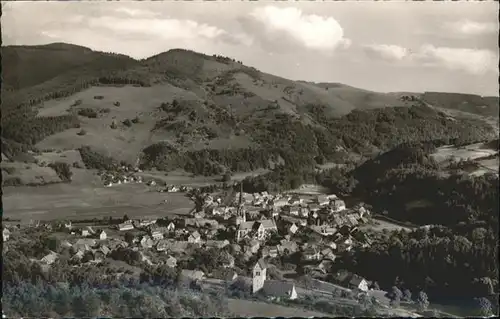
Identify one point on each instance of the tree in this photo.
(395, 296)
(407, 295)
(127, 123)
(422, 301)
(63, 170)
(484, 307)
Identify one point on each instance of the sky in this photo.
(388, 46)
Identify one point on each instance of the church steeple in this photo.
(241, 211)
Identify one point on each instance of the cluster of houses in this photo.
(116, 178)
(253, 227)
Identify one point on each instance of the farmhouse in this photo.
(103, 235)
(338, 205)
(322, 200)
(194, 238)
(125, 226)
(359, 283)
(50, 258)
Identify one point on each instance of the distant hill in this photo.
(475, 104)
(204, 113)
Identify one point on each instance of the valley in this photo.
(176, 143)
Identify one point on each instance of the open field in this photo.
(181, 177)
(249, 308)
(69, 201)
(309, 189)
(469, 152)
(380, 225)
(29, 173)
(123, 142)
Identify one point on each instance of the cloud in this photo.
(162, 28)
(290, 27)
(136, 12)
(474, 61)
(471, 28)
(388, 52)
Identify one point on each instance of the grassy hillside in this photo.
(475, 104)
(206, 114)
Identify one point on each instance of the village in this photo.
(264, 242)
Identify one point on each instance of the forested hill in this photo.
(211, 113)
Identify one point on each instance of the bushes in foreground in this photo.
(143, 301)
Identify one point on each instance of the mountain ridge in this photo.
(67, 97)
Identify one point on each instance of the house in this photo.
(310, 253)
(125, 226)
(84, 244)
(314, 208)
(98, 255)
(171, 262)
(253, 246)
(193, 274)
(323, 230)
(77, 256)
(243, 230)
(84, 232)
(295, 200)
(322, 200)
(352, 220)
(286, 247)
(338, 205)
(259, 275)
(331, 196)
(199, 215)
(228, 260)
(171, 227)
(359, 283)
(280, 289)
(66, 244)
(50, 258)
(194, 238)
(225, 274)
(325, 265)
(102, 235)
(294, 211)
(178, 246)
(293, 229)
(6, 234)
(104, 249)
(146, 242)
(270, 251)
(219, 210)
(162, 245)
(268, 225)
(304, 212)
(156, 232)
(280, 203)
(219, 244)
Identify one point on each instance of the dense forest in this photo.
(301, 146)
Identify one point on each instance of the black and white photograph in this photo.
(201, 159)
